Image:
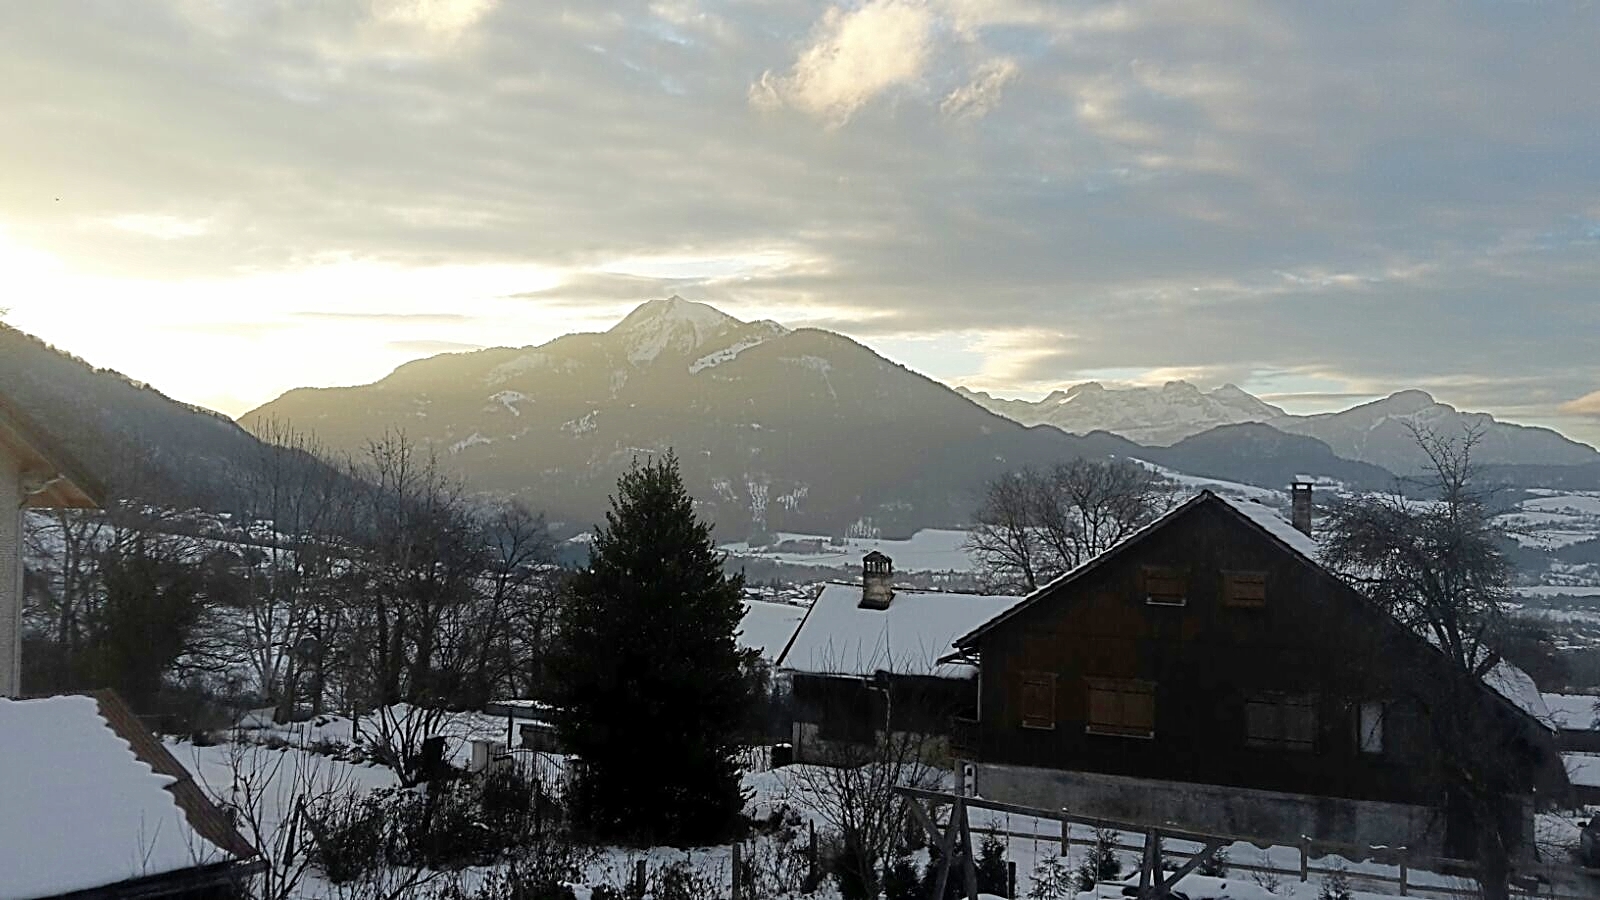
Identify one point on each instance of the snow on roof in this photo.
(1517, 686)
(1273, 521)
(767, 626)
(1573, 712)
(81, 810)
(1583, 769)
(838, 637)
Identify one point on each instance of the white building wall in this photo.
(10, 576)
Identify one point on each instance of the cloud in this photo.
(975, 99)
(855, 56)
(1587, 405)
(383, 317)
(160, 227)
(430, 348)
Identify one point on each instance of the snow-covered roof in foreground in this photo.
(767, 626)
(78, 809)
(838, 637)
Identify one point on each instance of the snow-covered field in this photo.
(273, 778)
(1552, 519)
(929, 550)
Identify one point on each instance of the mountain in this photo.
(138, 441)
(796, 430)
(1380, 433)
(1259, 454)
(1148, 415)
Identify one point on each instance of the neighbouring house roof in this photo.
(1507, 681)
(91, 799)
(1583, 769)
(839, 637)
(65, 483)
(1573, 712)
(767, 626)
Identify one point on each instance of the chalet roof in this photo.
(767, 626)
(92, 799)
(66, 484)
(1573, 712)
(1509, 682)
(839, 637)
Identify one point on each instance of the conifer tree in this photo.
(652, 686)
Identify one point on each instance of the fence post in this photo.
(811, 854)
(735, 880)
(638, 878)
(1066, 835)
(1305, 858)
(1011, 878)
(1405, 869)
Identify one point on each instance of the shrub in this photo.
(681, 881)
(901, 881)
(1101, 863)
(1266, 879)
(1336, 886)
(1216, 866)
(991, 867)
(350, 834)
(1052, 880)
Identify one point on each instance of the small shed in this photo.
(94, 806)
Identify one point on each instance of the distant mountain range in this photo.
(1377, 432)
(1157, 416)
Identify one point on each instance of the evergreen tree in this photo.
(651, 685)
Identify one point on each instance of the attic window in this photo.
(1039, 700)
(1166, 586)
(1122, 707)
(1281, 721)
(1244, 589)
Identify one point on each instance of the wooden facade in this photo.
(1209, 650)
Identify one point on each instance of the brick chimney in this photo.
(1300, 507)
(877, 581)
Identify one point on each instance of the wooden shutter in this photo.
(1123, 707)
(1039, 700)
(1244, 589)
(1166, 586)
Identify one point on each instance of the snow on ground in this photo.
(331, 732)
(1193, 484)
(928, 550)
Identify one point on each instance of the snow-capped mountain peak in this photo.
(671, 323)
(1149, 415)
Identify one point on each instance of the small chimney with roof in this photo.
(877, 581)
(1300, 506)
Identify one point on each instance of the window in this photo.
(1281, 721)
(1244, 589)
(1039, 700)
(1166, 586)
(1122, 707)
(1369, 727)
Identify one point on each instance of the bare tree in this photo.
(1034, 526)
(1436, 563)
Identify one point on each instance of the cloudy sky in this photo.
(1318, 201)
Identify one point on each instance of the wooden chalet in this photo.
(866, 661)
(1210, 672)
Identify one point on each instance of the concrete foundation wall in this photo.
(10, 576)
(1280, 818)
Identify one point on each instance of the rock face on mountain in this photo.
(799, 430)
(1157, 416)
(1380, 433)
(138, 441)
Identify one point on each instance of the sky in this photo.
(1320, 202)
